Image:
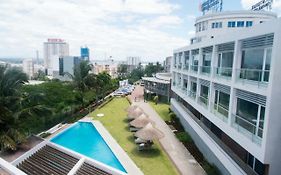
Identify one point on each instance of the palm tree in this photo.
(13, 106)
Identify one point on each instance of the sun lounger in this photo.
(144, 146)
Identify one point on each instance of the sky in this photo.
(150, 29)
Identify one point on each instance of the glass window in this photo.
(240, 23)
(249, 23)
(252, 58)
(231, 24)
(220, 24)
(193, 87)
(213, 25)
(267, 64)
(204, 91)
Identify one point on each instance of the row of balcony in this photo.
(242, 125)
(254, 75)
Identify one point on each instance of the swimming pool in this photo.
(85, 139)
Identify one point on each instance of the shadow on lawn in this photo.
(153, 152)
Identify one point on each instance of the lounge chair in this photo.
(134, 129)
(139, 141)
(144, 146)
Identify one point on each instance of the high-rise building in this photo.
(67, 64)
(85, 53)
(226, 90)
(132, 63)
(28, 67)
(53, 50)
(167, 64)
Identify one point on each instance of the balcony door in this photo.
(225, 62)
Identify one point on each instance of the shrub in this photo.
(172, 116)
(170, 110)
(155, 99)
(45, 134)
(107, 101)
(184, 137)
(211, 169)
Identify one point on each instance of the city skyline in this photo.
(150, 29)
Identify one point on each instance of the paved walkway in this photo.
(182, 159)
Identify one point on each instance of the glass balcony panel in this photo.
(204, 100)
(223, 71)
(220, 111)
(192, 94)
(205, 69)
(261, 76)
(247, 128)
(194, 68)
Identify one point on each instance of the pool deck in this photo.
(180, 156)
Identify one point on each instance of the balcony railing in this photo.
(194, 68)
(220, 111)
(186, 67)
(253, 75)
(192, 94)
(223, 72)
(247, 128)
(180, 66)
(184, 90)
(205, 70)
(204, 100)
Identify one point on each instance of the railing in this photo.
(180, 66)
(205, 69)
(204, 100)
(220, 111)
(192, 94)
(254, 75)
(194, 68)
(186, 67)
(223, 72)
(247, 128)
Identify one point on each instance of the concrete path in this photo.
(182, 159)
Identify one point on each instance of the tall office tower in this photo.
(132, 63)
(67, 64)
(28, 67)
(85, 53)
(53, 49)
(226, 90)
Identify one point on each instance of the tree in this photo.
(13, 106)
(122, 71)
(136, 74)
(151, 69)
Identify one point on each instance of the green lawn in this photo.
(151, 162)
(162, 109)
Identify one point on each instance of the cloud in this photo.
(109, 27)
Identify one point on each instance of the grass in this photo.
(162, 109)
(151, 162)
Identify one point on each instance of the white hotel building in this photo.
(227, 90)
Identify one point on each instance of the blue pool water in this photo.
(84, 138)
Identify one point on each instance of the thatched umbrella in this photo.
(134, 114)
(131, 108)
(149, 133)
(141, 121)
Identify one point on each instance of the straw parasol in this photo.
(131, 108)
(141, 121)
(134, 114)
(149, 133)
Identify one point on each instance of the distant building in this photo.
(85, 53)
(109, 66)
(53, 50)
(66, 67)
(158, 85)
(167, 64)
(28, 67)
(132, 63)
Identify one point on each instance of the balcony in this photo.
(224, 72)
(220, 111)
(204, 101)
(180, 66)
(247, 128)
(184, 90)
(194, 68)
(206, 70)
(186, 67)
(192, 94)
(255, 76)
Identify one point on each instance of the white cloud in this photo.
(116, 27)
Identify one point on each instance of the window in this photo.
(231, 24)
(216, 25)
(240, 23)
(256, 64)
(249, 23)
(204, 94)
(222, 103)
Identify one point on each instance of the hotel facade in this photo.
(226, 90)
